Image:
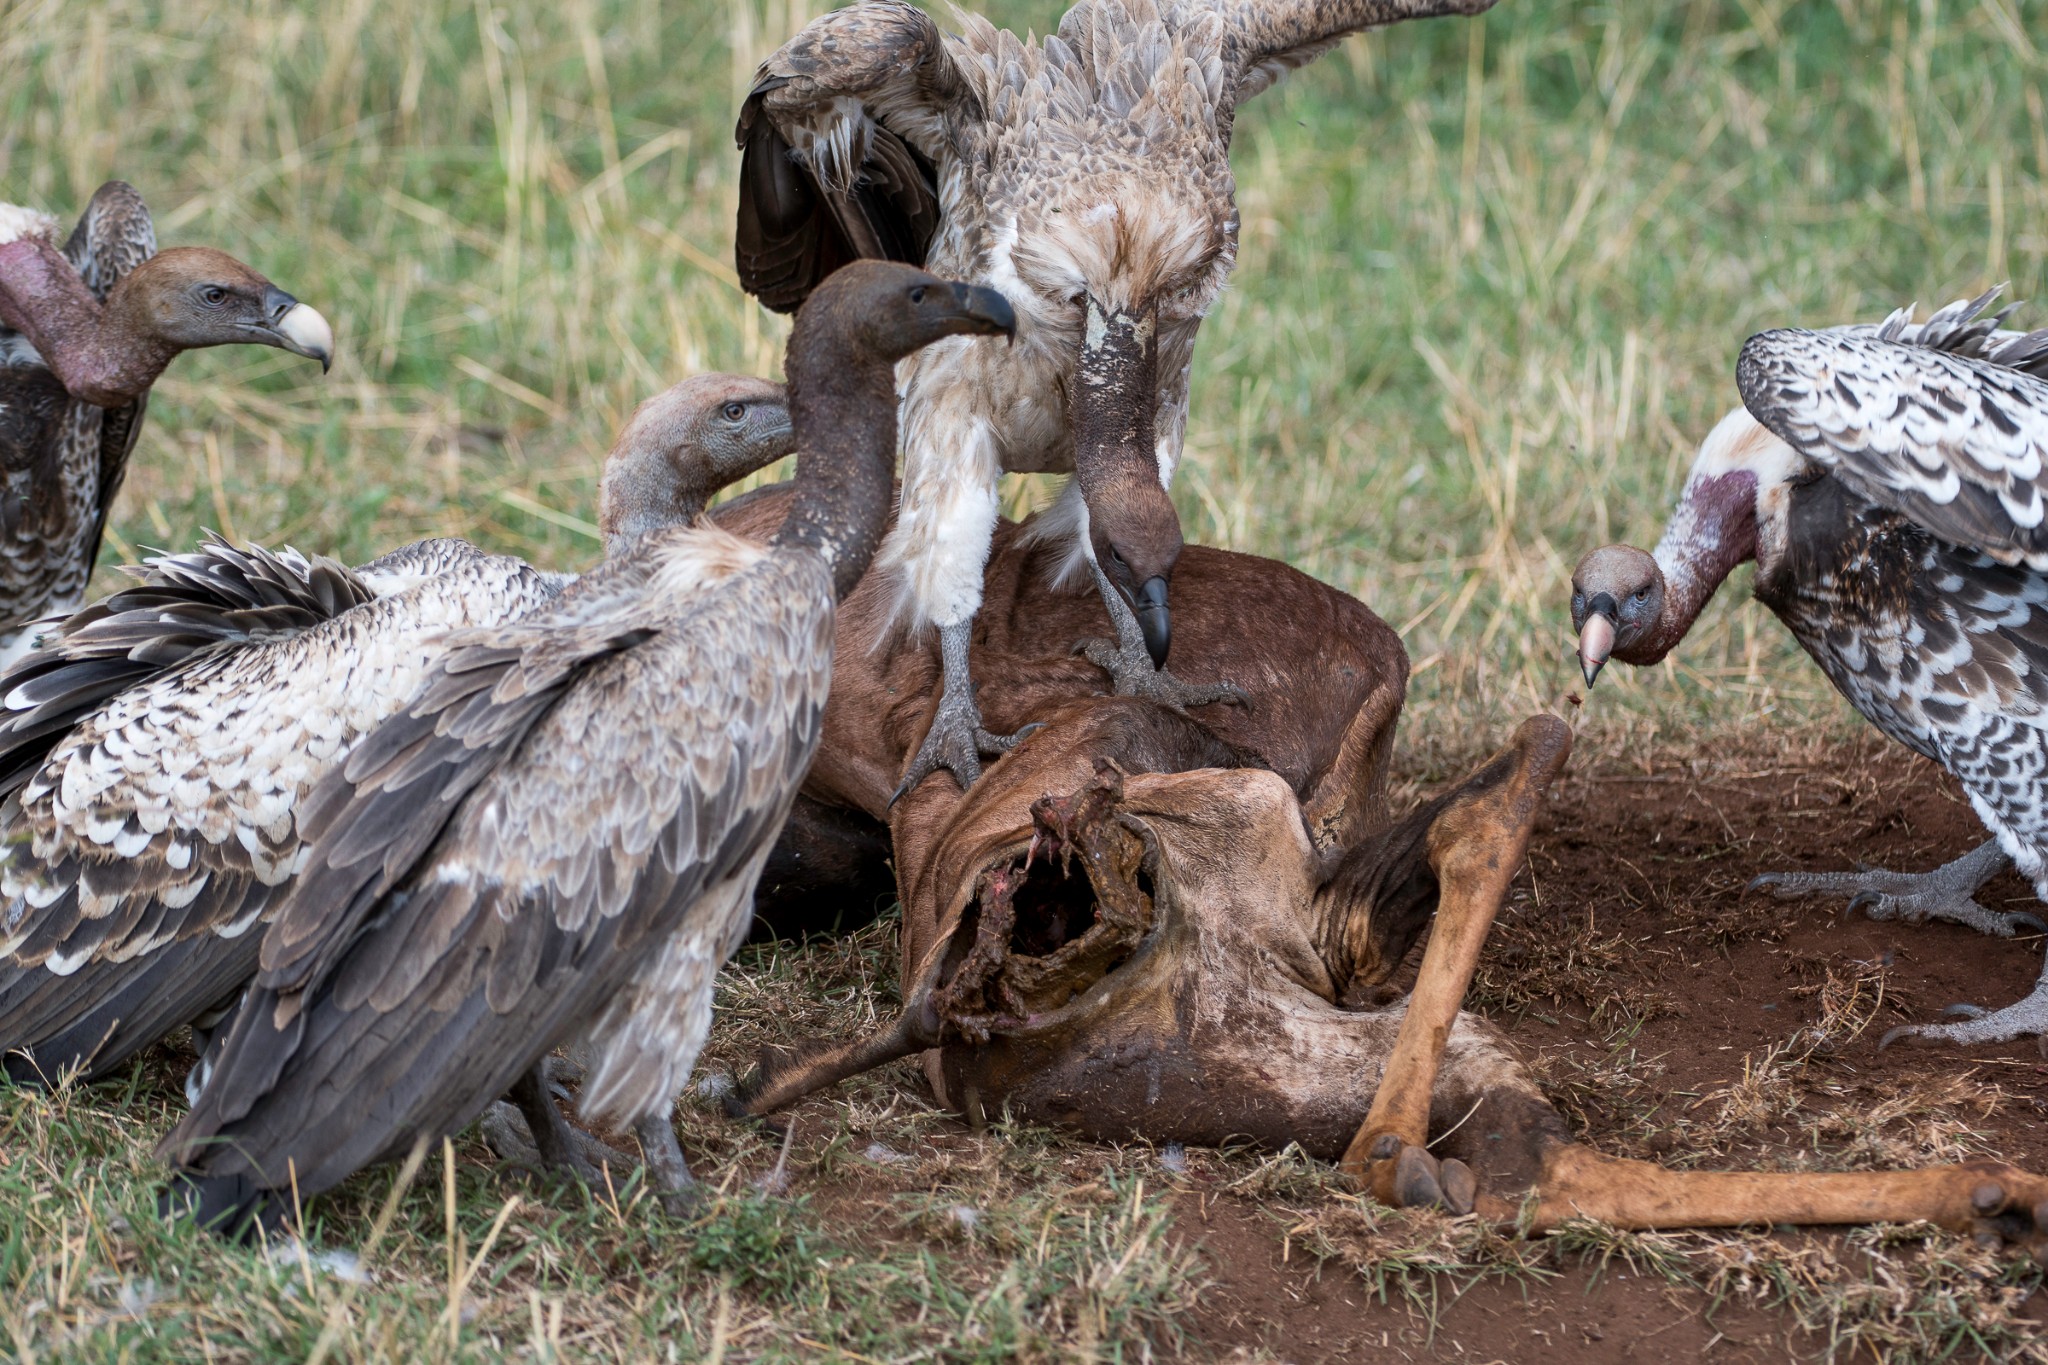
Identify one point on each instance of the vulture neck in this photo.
(1712, 531)
(842, 407)
(107, 355)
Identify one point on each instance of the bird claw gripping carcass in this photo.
(1125, 932)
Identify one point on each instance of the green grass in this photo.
(1492, 283)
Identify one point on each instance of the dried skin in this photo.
(997, 986)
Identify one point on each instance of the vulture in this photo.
(1085, 175)
(1888, 482)
(156, 749)
(85, 329)
(561, 832)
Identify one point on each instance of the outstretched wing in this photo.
(1265, 39)
(1955, 443)
(841, 137)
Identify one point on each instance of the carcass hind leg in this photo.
(1475, 846)
(1992, 1199)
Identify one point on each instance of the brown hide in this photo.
(1237, 618)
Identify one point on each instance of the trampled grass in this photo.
(1492, 283)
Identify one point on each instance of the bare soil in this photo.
(1672, 1016)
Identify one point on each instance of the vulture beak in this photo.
(297, 327)
(988, 308)
(1154, 621)
(1596, 636)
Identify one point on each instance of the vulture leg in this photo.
(1974, 1024)
(955, 741)
(673, 1183)
(554, 1141)
(1475, 846)
(1948, 892)
(1135, 669)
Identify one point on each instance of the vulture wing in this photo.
(1953, 442)
(163, 822)
(497, 863)
(840, 139)
(215, 599)
(1266, 39)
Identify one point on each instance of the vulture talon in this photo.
(1947, 893)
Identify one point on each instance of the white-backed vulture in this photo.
(561, 833)
(1888, 482)
(155, 751)
(1087, 176)
(84, 331)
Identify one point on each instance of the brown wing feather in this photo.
(800, 220)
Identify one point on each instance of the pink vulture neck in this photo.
(1712, 530)
(96, 352)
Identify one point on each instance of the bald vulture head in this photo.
(683, 445)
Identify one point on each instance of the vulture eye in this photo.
(213, 296)
(1642, 595)
(734, 411)
(917, 294)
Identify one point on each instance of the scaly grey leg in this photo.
(1948, 892)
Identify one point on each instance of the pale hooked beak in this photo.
(1596, 636)
(299, 328)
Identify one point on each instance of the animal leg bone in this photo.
(1128, 660)
(956, 740)
(782, 1082)
(1475, 846)
(1948, 892)
(1989, 1198)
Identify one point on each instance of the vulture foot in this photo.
(1948, 892)
(531, 1132)
(956, 740)
(1131, 674)
(669, 1172)
(1974, 1024)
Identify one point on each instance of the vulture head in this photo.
(1617, 600)
(683, 445)
(1634, 606)
(192, 296)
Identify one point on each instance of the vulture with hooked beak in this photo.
(1888, 482)
(1087, 176)
(85, 329)
(562, 831)
(157, 748)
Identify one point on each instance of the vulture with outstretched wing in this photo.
(1087, 176)
(1888, 481)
